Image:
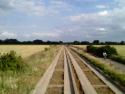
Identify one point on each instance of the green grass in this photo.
(16, 82)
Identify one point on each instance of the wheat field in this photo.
(23, 50)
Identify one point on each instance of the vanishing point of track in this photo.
(70, 74)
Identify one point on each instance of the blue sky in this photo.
(66, 20)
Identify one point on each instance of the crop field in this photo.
(23, 50)
(120, 49)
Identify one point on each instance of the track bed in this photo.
(70, 74)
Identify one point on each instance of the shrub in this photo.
(91, 49)
(10, 61)
(108, 49)
(98, 51)
(46, 49)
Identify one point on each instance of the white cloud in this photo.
(27, 6)
(103, 13)
(101, 6)
(60, 5)
(88, 25)
(101, 29)
(53, 35)
(88, 36)
(103, 33)
(85, 17)
(30, 7)
(80, 25)
(120, 2)
(42, 35)
(35, 7)
(77, 17)
(5, 6)
(45, 34)
(118, 18)
(6, 34)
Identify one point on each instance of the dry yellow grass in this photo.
(81, 46)
(23, 82)
(23, 50)
(120, 49)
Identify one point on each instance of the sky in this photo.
(65, 20)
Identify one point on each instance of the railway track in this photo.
(69, 74)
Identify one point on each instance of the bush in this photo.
(98, 51)
(10, 61)
(91, 49)
(108, 49)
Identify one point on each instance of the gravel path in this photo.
(117, 65)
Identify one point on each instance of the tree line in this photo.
(38, 41)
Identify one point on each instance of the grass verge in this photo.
(116, 76)
(118, 58)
